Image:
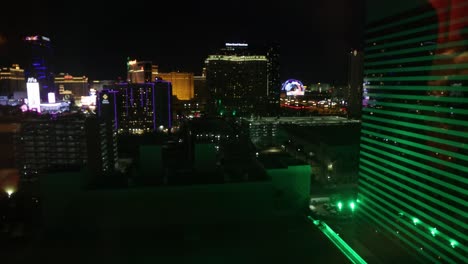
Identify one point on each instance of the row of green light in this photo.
(434, 232)
(387, 226)
(352, 205)
(415, 221)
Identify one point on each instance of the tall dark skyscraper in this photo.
(414, 141)
(163, 104)
(39, 54)
(274, 79)
(238, 81)
(355, 83)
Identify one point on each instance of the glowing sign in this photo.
(51, 97)
(105, 99)
(31, 38)
(45, 38)
(237, 45)
(293, 87)
(34, 97)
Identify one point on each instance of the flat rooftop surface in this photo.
(279, 241)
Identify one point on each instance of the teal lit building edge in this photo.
(413, 171)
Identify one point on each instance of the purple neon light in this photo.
(141, 98)
(154, 106)
(115, 111)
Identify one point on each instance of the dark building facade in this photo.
(237, 81)
(355, 83)
(414, 139)
(39, 53)
(274, 78)
(51, 143)
(163, 104)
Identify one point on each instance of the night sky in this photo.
(314, 36)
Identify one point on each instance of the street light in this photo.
(9, 191)
(352, 205)
(340, 205)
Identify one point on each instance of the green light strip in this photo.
(418, 164)
(417, 88)
(418, 117)
(380, 213)
(418, 136)
(415, 126)
(421, 204)
(414, 191)
(415, 18)
(413, 59)
(339, 242)
(462, 43)
(413, 144)
(420, 68)
(417, 183)
(419, 29)
(403, 21)
(420, 97)
(411, 226)
(415, 173)
(423, 48)
(425, 157)
(422, 107)
(420, 78)
(389, 230)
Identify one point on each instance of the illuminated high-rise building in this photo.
(12, 80)
(71, 85)
(413, 182)
(107, 106)
(237, 81)
(182, 83)
(135, 107)
(139, 71)
(39, 63)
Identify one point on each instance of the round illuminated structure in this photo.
(293, 87)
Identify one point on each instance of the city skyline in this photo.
(95, 41)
